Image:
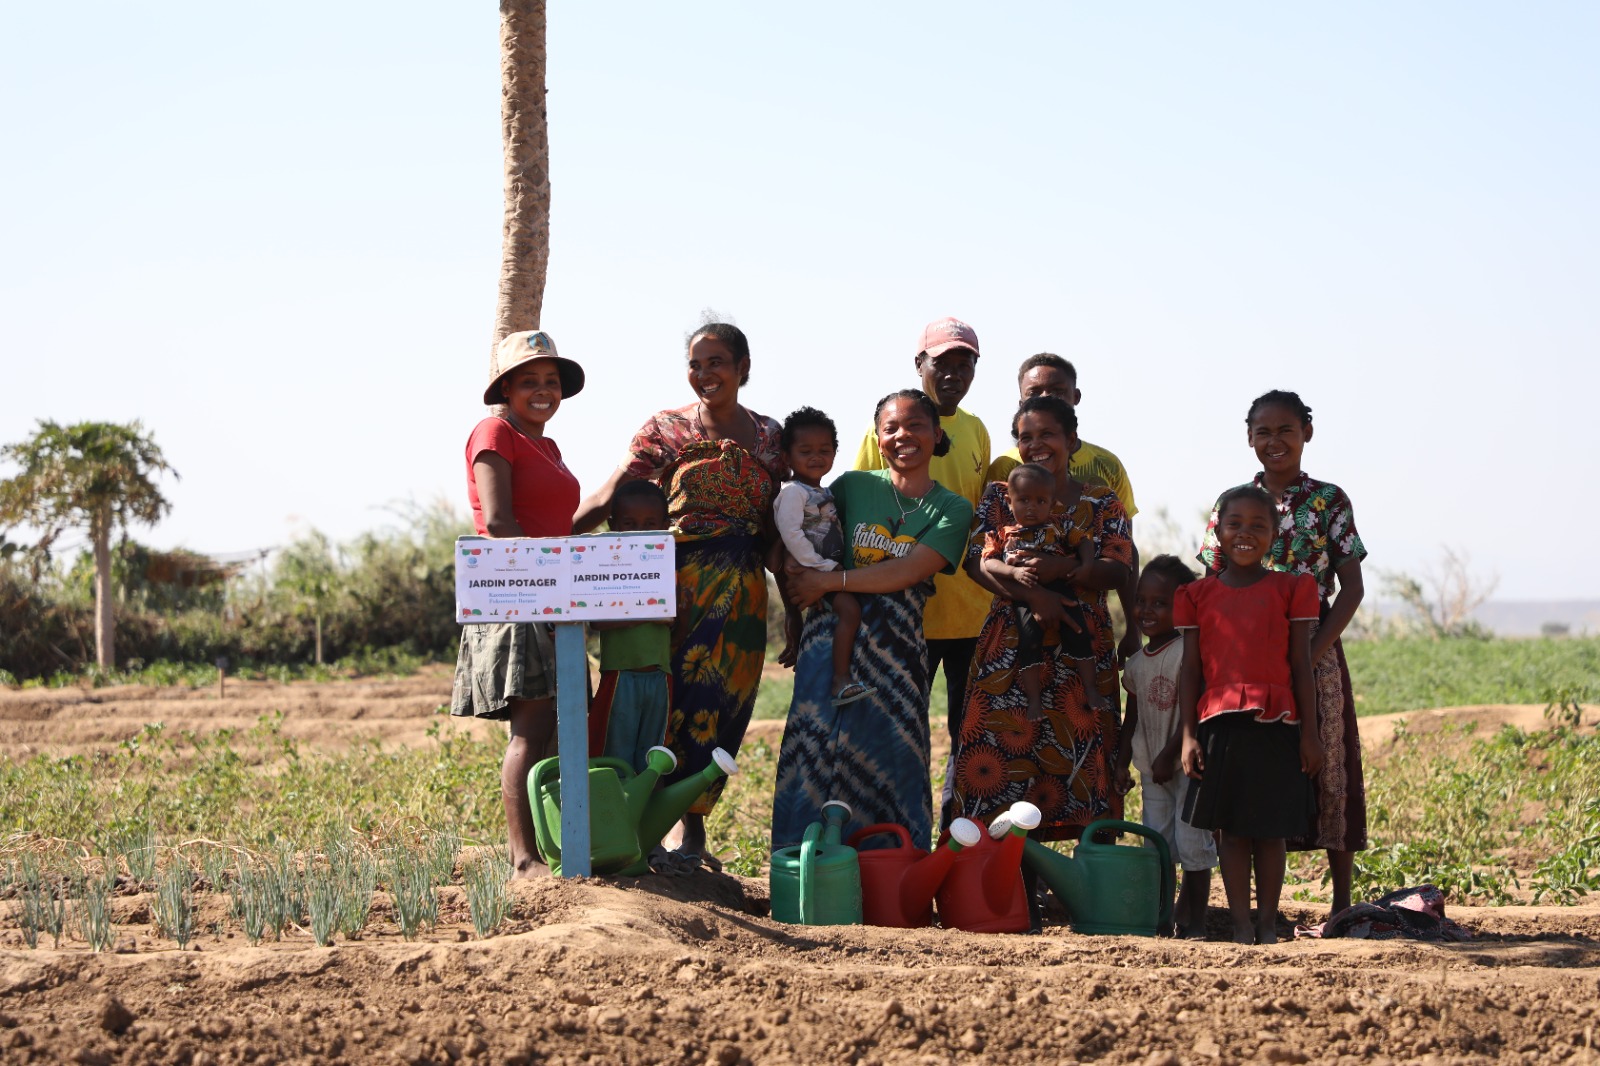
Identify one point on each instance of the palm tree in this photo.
(525, 139)
(95, 474)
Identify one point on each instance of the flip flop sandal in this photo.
(850, 693)
(693, 860)
(669, 863)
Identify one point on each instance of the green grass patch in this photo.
(1413, 673)
(1514, 810)
(1490, 819)
(1402, 674)
(252, 788)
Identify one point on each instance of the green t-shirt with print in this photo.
(879, 523)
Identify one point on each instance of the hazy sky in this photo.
(272, 234)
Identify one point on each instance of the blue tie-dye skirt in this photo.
(872, 754)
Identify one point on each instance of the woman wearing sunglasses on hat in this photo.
(518, 487)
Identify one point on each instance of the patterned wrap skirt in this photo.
(717, 669)
(1061, 762)
(1341, 823)
(873, 753)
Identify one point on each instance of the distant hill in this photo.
(1525, 618)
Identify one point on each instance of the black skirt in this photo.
(1252, 785)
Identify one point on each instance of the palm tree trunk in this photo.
(525, 236)
(105, 632)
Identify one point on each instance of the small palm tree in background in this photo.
(99, 475)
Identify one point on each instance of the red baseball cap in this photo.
(943, 334)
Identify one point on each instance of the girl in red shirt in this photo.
(1250, 739)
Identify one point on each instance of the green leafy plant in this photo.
(361, 880)
(1564, 703)
(488, 894)
(411, 887)
(741, 821)
(135, 846)
(214, 862)
(174, 905)
(95, 918)
(326, 903)
(260, 913)
(443, 845)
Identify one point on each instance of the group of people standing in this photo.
(950, 557)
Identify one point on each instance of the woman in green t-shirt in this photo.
(901, 527)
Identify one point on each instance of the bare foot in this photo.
(1192, 932)
(1267, 934)
(1244, 935)
(530, 870)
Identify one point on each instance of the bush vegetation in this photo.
(387, 598)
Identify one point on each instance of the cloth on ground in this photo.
(1416, 913)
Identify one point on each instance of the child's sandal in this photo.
(850, 693)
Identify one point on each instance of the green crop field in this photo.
(1412, 673)
(1409, 674)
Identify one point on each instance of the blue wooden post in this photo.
(572, 747)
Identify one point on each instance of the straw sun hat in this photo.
(524, 347)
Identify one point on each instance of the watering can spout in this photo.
(1000, 874)
(667, 805)
(637, 789)
(1061, 873)
(661, 808)
(1107, 888)
(835, 813)
(921, 882)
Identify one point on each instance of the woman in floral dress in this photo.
(1317, 536)
(1064, 761)
(719, 464)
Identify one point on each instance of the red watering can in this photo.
(898, 883)
(983, 892)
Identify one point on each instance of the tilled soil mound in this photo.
(690, 970)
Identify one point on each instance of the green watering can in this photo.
(654, 811)
(1110, 889)
(627, 816)
(818, 881)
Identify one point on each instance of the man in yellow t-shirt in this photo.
(1047, 374)
(946, 360)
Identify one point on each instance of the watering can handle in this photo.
(548, 768)
(623, 768)
(1169, 880)
(808, 873)
(899, 831)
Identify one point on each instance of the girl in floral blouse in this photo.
(1316, 535)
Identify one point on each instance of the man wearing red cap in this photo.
(946, 360)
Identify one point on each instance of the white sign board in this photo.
(601, 577)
